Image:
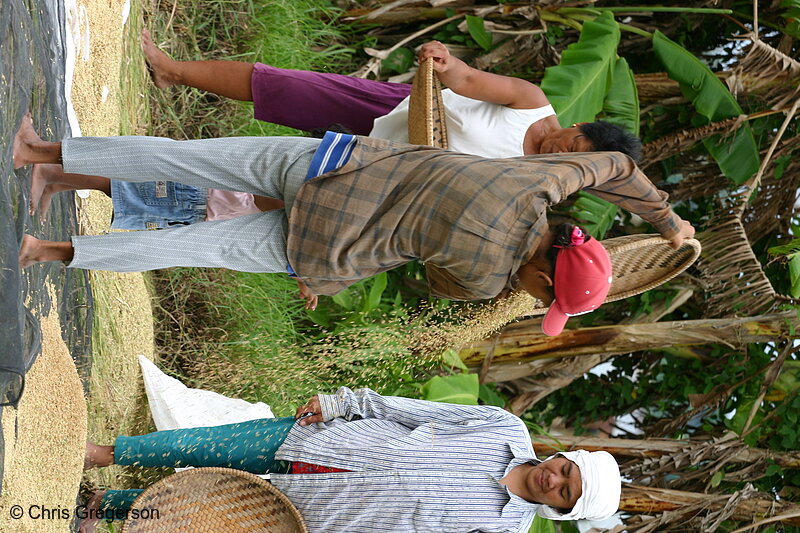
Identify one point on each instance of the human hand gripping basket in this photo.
(426, 121)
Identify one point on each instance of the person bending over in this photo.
(355, 207)
(447, 467)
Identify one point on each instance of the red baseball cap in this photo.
(581, 281)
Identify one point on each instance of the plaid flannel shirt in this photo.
(472, 221)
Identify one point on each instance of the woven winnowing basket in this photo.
(426, 122)
(218, 500)
(642, 262)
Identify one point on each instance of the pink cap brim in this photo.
(554, 321)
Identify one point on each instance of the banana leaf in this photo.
(578, 86)
(542, 525)
(737, 154)
(594, 214)
(621, 106)
(457, 388)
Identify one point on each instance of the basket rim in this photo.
(193, 472)
(425, 90)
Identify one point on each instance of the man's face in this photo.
(565, 140)
(556, 483)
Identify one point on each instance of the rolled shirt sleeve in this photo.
(366, 403)
(617, 179)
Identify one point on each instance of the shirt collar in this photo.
(521, 455)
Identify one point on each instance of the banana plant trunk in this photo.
(642, 448)
(650, 500)
(514, 352)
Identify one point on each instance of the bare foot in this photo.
(89, 524)
(97, 455)
(25, 142)
(44, 184)
(160, 63)
(35, 251)
(29, 251)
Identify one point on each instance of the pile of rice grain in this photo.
(44, 452)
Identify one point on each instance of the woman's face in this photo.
(565, 140)
(556, 482)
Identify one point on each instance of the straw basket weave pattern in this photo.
(640, 263)
(426, 122)
(218, 500)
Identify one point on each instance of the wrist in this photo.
(330, 406)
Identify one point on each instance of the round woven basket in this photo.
(426, 122)
(218, 500)
(642, 262)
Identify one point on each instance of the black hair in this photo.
(563, 237)
(319, 133)
(608, 137)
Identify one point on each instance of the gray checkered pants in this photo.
(269, 166)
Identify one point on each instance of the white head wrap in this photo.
(600, 483)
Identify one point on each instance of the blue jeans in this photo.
(156, 204)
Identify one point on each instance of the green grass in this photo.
(296, 34)
(134, 78)
(294, 45)
(248, 336)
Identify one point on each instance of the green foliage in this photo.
(621, 106)
(451, 358)
(399, 61)
(739, 419)
(567, 527)
(792, 16)
(780, 165)
(457, 388)
(594, 214)
(736, 156)
(578, 86)
(789, 253)
(789, 379)
(450, 33)
(477, 31)
(661, 384)
(360, 303)
(554, 33)
(542, 525)
(489, 396)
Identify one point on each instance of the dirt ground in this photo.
(45, 437)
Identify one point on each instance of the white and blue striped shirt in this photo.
(413, 465)
(333, 152)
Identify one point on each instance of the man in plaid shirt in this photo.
(355, 207)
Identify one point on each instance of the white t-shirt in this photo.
(473, 126)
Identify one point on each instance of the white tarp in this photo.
(173, 405)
